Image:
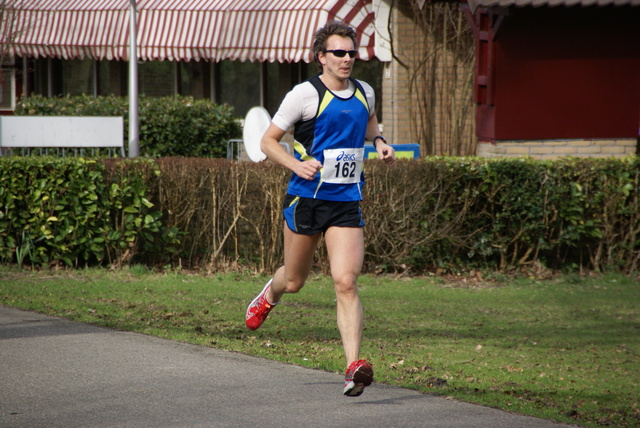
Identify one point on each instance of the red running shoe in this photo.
(359, 374)
(259, 309)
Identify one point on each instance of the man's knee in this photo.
(293, 286)
(345, 285)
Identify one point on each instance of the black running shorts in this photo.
(310, 216)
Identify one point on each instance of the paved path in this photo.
(58, 373)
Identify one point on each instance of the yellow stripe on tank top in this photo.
(328, 97)
(362, 98)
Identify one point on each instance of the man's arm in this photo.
(270, 146)
(385, 151)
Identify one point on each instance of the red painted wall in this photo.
(563, 73)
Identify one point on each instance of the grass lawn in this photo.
(566, 349)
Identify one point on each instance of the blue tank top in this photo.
(337, 132)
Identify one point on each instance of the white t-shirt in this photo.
(301, 103)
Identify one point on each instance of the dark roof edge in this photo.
(474, 4)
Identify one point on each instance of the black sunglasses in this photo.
(340, 53)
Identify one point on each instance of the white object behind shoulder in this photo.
(256, 123)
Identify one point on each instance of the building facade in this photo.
(240, 53)
(487, 77)
(554, 79)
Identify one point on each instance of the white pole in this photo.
(134, 139)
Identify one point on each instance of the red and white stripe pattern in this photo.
(182, 30)
(67, 28)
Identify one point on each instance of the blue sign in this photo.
(403, 151)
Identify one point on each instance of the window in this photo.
(280, 78)
(8, 89)
(238, 84)
(371, 72)
(157, 79)
(194, 79)
(78, 77)
(112, 77)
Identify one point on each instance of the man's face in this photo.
(338, 68)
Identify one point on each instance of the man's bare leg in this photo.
(345, 246)
(298, 259)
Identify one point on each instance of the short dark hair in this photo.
(332, 28)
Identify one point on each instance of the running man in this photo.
(332, 114)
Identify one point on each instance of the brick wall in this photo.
(406, 117)
(395, 84)
(549, 150)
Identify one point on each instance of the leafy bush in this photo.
(179, 126)
(437, 214)
(49, 208)
(434, 214)
(74, 211)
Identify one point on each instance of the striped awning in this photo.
(180, 30)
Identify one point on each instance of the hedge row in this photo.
(454, 213)
(449, 214)
(76, 211)
(171, 126)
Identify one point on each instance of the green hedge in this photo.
(175, 126)
(437, 214)
(570, 213)
(76, 211)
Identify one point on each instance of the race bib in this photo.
(342, 166)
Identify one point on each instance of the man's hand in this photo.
(386, 153)
(307, 169)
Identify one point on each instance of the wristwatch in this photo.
(379, 137)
